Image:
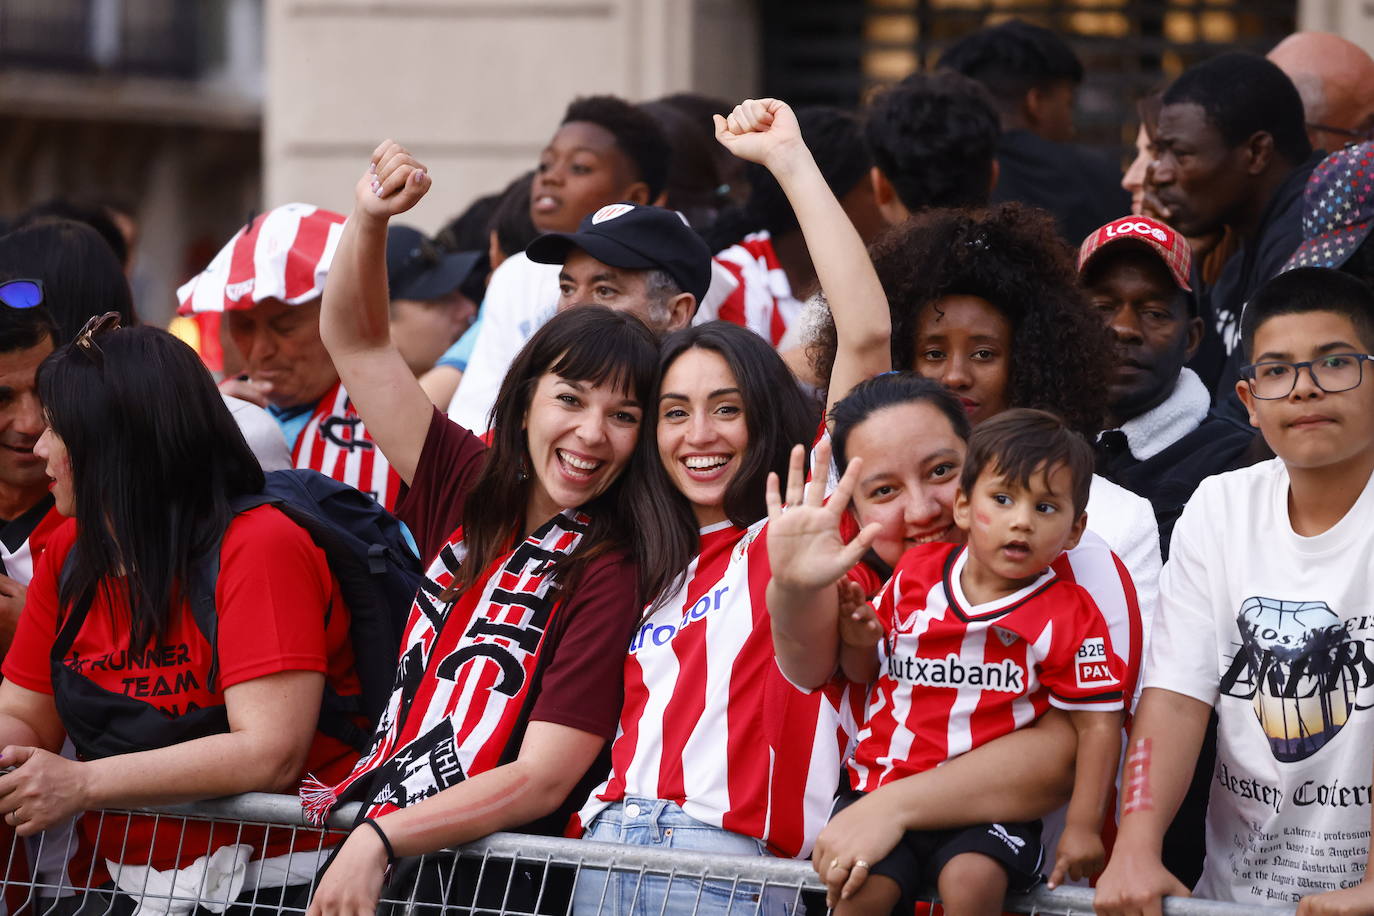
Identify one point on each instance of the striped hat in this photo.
(282, 254)
(1172, 247)
(1338, 208)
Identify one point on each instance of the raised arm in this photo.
(766, 131)
(354, 316)
(807, 557)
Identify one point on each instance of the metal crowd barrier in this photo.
(503, 874)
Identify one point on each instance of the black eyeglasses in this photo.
(1333, 373)
(85, 338)
(21, 294)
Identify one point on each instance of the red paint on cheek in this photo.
(982, 518)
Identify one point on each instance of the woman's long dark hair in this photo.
(155, 459)
(589, 344)
(777, 416)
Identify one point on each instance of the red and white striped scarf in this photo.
(464, 675)
(335, 443)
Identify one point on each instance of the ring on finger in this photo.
(860, 863)
(835, 862)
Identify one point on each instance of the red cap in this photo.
(1167, 243)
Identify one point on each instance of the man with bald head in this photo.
(1336, 81)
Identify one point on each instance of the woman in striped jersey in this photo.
(509, 679)
(716, 750)
(910, 433)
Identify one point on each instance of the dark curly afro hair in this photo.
(1010, 255)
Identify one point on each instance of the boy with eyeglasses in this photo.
(1266, 614)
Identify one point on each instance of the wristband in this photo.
(386, 844)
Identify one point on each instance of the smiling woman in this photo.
(532, 584)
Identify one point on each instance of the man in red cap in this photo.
(268, 281)
(1160, 443)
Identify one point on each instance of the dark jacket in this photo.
(1169, 478)
(1255, 263)
(1081, 188)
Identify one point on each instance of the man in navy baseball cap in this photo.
(639, 259)
(434, 295)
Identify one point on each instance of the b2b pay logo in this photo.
(1091, 664)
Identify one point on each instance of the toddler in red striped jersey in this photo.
(967, 643)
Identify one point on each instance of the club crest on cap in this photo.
(610, 212)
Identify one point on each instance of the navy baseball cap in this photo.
(418, 269)
(632, 237)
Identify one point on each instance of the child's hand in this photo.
(859, 625)
(1080, 855)
(393, 183)
(760, 130)
(805, 549)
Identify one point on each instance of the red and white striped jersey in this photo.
(955, 676)
(709, 721)
(335, 443)
(762, 300)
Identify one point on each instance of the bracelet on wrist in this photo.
(386, 845)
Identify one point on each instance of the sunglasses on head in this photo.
(21, 294)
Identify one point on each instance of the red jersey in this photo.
(762, 300)
(278, 608)
(955, 675)
(709, 721)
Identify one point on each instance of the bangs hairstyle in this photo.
(890, 389)
(590, 344)
(1010, 256)
(1020, 443)
(1310, 289)
(155, 457)
(777, 416)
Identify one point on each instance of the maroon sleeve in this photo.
(583, 685)
(449, 463)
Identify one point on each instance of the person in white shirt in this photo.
(1264, 617)
(604, 151)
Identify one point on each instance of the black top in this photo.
(1169, 478)
(1255, 263)
(1080, 187)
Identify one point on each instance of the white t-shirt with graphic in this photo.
(1276, 631)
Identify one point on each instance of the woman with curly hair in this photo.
(987, 303)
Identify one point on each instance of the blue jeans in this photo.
(663, 824)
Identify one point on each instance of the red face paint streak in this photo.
(982, 518)
(1137, 794)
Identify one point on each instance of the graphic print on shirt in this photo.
(1301, 670)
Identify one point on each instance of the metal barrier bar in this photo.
(504, 873)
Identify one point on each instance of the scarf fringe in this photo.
(317, 800)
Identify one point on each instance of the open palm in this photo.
(805, 548)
